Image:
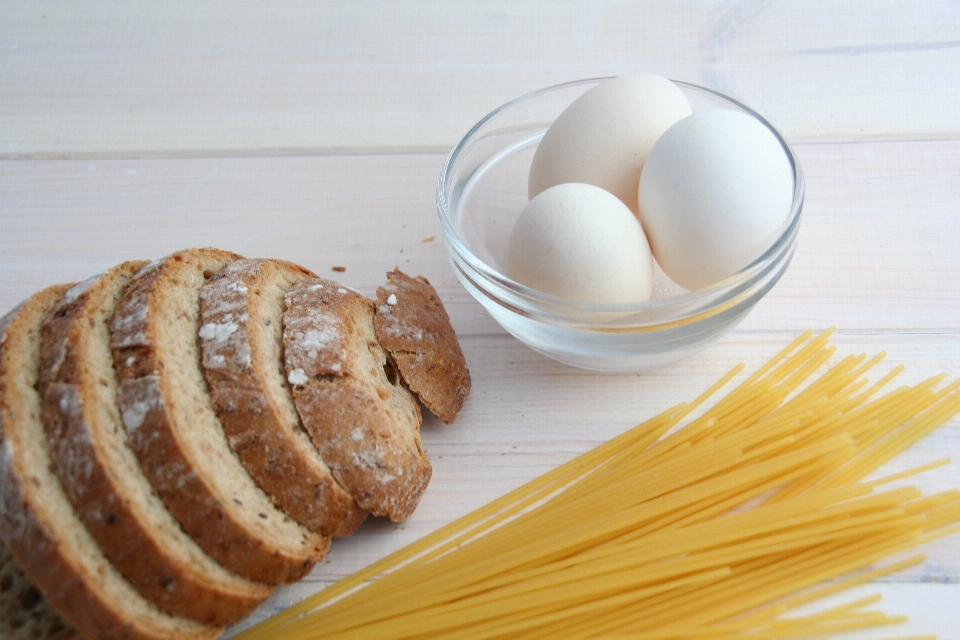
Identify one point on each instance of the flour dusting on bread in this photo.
(363, 420)
(199, 427)
(414, 328)
(242, 345)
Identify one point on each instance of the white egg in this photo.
(714, 195)
(604, 136)
(580, 242)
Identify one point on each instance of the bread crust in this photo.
(365, 424)
(37, 522)
(173, 429)
(101, 476)
(241, 340)
(414, 328)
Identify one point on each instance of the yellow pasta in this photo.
(717, 525)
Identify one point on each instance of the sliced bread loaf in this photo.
(37, 521)
(365, 424)
(414, 328)
(166, 409)
(101, 475)
(241, 338)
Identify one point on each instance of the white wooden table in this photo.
(315, 132)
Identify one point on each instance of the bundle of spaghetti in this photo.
(717, 524)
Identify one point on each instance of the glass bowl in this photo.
(483, 188)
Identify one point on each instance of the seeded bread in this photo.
(167, 412)
(37, 521)
(414, 328)
(242, 345)
(101, 475)
(364, 422)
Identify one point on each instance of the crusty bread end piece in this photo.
(37, 521)
(166, 408)
(241, 336)
(101, 475)
(414, 328)
(365, 424)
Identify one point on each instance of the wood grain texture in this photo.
(877, 248)
(315, 132)
(94, 78)
(877, 258)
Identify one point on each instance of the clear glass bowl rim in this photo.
(545, 306)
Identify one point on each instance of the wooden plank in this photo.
(877, 249)
(173, 78)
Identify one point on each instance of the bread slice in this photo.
(37, 521)
(414, 328)
(241, 338)
(365, 424)
(24, 613)
(167, 412)
(101, 475)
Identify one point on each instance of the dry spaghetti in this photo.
(713, 526)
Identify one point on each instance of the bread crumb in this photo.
(430, 239)
(338, 269)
